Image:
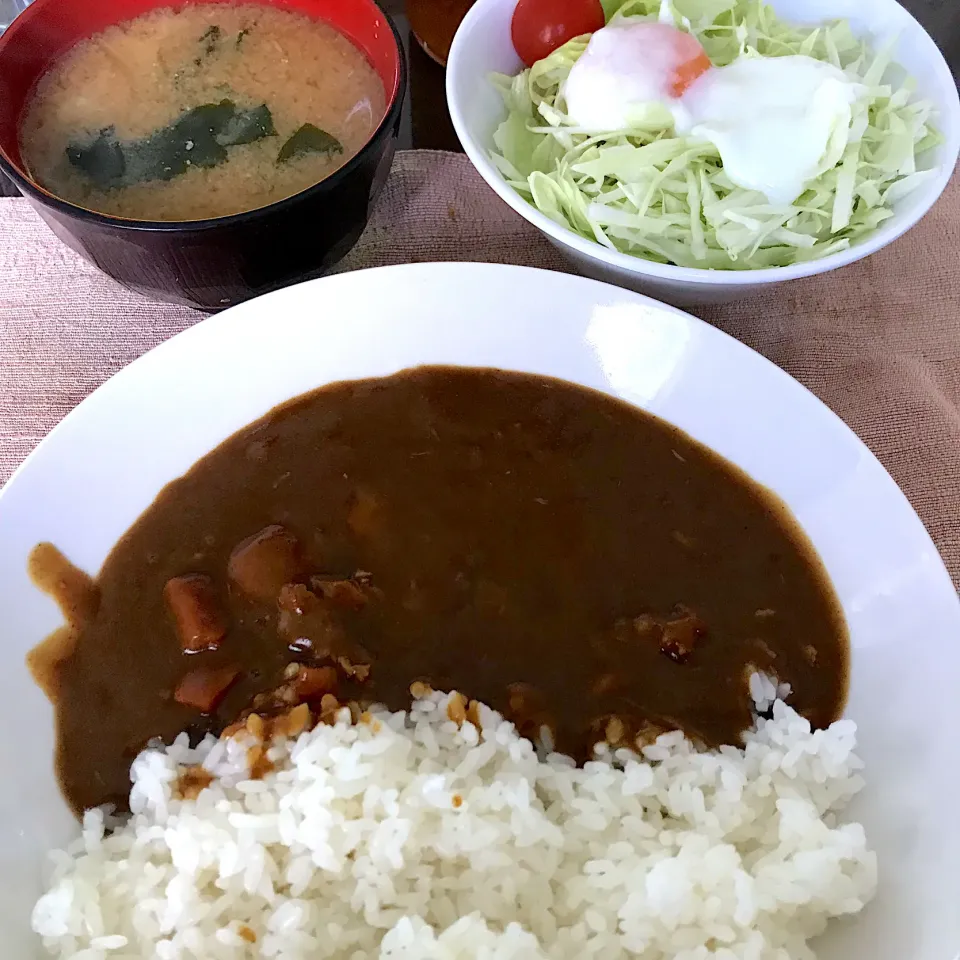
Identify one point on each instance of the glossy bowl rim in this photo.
(33, 190)
(702, 277)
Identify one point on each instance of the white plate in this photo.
(104, 464)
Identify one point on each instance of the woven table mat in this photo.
(878, 341)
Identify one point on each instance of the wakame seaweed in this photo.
(198, 138)
(308, 139)
(210, 37)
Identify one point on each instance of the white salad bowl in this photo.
(483, 46)
(97, 471)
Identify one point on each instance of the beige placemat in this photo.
(878, 341)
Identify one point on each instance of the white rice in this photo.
(355, 847)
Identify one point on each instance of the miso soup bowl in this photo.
(214, 263)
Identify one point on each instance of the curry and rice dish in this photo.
(206, 111)
(648, 660)
(474, 531)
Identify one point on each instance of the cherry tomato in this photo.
(540, 26)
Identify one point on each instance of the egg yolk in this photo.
(691, 60)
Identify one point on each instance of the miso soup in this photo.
(207, 111)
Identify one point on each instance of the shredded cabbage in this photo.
(663, 197)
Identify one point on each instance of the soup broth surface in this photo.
(203, 112)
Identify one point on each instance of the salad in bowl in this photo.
(701, 141)
(720, 137)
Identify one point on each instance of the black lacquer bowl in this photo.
(215, 263)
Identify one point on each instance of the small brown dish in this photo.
(214, 263)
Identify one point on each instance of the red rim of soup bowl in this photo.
(48, 29)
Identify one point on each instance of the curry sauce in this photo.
(578, 564)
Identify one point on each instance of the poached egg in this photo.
(773, 120)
